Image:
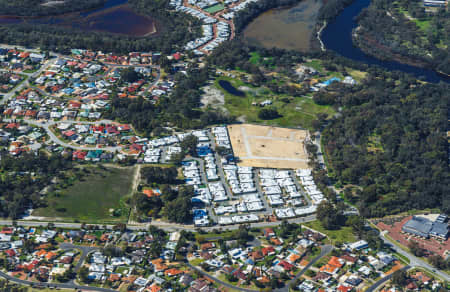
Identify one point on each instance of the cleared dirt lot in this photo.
(265, 146)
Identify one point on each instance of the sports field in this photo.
(215, 8)
(266, 146)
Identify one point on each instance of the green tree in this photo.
(130, 75)
(83, 273)
(268, 114)
(416, 249)
(357, 224)
(327, 215)
(400, 278)
(189, 145)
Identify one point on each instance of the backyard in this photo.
(98, 196)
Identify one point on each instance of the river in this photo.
(292, 27)
(337, 36)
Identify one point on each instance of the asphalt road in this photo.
(378, 283)
(162, 225)
(326, 249)
(54, 285)
(218, 281)
(46, 126)
(415, 261)
(85, 250)
(19, 87)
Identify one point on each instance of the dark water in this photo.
(337, 36)
(121, 20)
(230, 88)
(113, 17)
(107, 5)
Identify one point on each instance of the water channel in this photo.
(337, 36)
(291, 28)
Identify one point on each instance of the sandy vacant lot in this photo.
(265, 146)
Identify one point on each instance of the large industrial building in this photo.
(424, 227)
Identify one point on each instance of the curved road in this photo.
(217, 280)
(69, 285)
(378, 283)
(326, 249)
(55, 285)
(24, 83)
(414, 261)
(85, 250)
(46, 126)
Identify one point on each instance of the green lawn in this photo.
(256, 59)
(422, 24)
(196, 262)
(316, 64)
(402, 258)
(342, 235)
(215, 8)
(224, 235)
(297, 112)
(91, 198)
(223, 278)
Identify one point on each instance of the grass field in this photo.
(295, 112)
(215, 8)
(342, 235)
(92, 197)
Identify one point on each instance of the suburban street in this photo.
(46, 126)
(85, 251)
(326, 249)
(378, 283)
(162, 225)
(413, 260)
(25, 83)
(217, 280)
(54, 285)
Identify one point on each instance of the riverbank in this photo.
(319, 36)
(61, 12)
(391, 33)
(338, 37)
(370, 46)
(115, 17)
